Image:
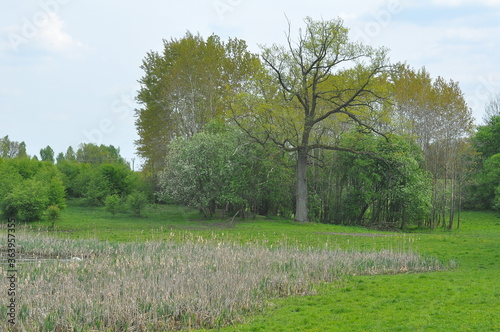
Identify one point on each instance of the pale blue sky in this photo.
(69, 68)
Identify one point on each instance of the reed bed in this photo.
(158, 286)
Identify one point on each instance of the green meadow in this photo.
(452, 286)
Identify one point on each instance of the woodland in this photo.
(320, 129)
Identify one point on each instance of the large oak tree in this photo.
(319, 85)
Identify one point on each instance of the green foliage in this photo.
(99, 181)
(496, 205)
(12, 149)
(96, 172)
(384, 185)
(53, 212)
(487, 138)
(488, 181)
(27, 167)
(9, 176)
(113, 203)
(136, 202)
(94, 154)
(219, 168)
(485, 178)
(317, 87)
(56, 191)
(96, 187)
(29, 187)
(27, 201)
(70, 154)
(47, 154)
(72, 176)
(192, 81)
(465, 298)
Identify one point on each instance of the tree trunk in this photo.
(452, 203)
(301, 213)
(459, 200)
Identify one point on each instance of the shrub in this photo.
(56, 192)
(27, 201)
(136, 202)
(113, 204)
(97, 189)
(53, 212)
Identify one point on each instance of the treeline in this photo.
(33, 189)
(320, 129)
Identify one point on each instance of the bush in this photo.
(53, 212)
(136, 202)
(56, 191)
(113, 204)
(96, 189)
(9, 176)
(27, 201)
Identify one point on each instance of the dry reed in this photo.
(157, 286)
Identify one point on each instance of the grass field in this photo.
(463, 298)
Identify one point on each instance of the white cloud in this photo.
(53, 38)
(46, 33)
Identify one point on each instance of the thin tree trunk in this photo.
(459, 200)
(452, 201)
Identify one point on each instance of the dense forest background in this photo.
(321, 129)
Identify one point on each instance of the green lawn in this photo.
(466, 298)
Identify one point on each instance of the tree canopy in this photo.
(340, 114)
(190, 83)
(319, 85)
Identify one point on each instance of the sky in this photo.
(69, 68)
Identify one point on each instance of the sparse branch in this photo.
(341, 108)
(363, 153)
(278, 73)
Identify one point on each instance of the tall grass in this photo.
(150, 286)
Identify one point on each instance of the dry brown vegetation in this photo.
(160, 286)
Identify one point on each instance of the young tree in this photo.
(322, 83)
(70, 154)
(47, 154)
(94, 154)
(435, 115)
(113, 203)
(60, 157)
(12, 149)
(22, 150)
(96, 187)
(136, 202)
